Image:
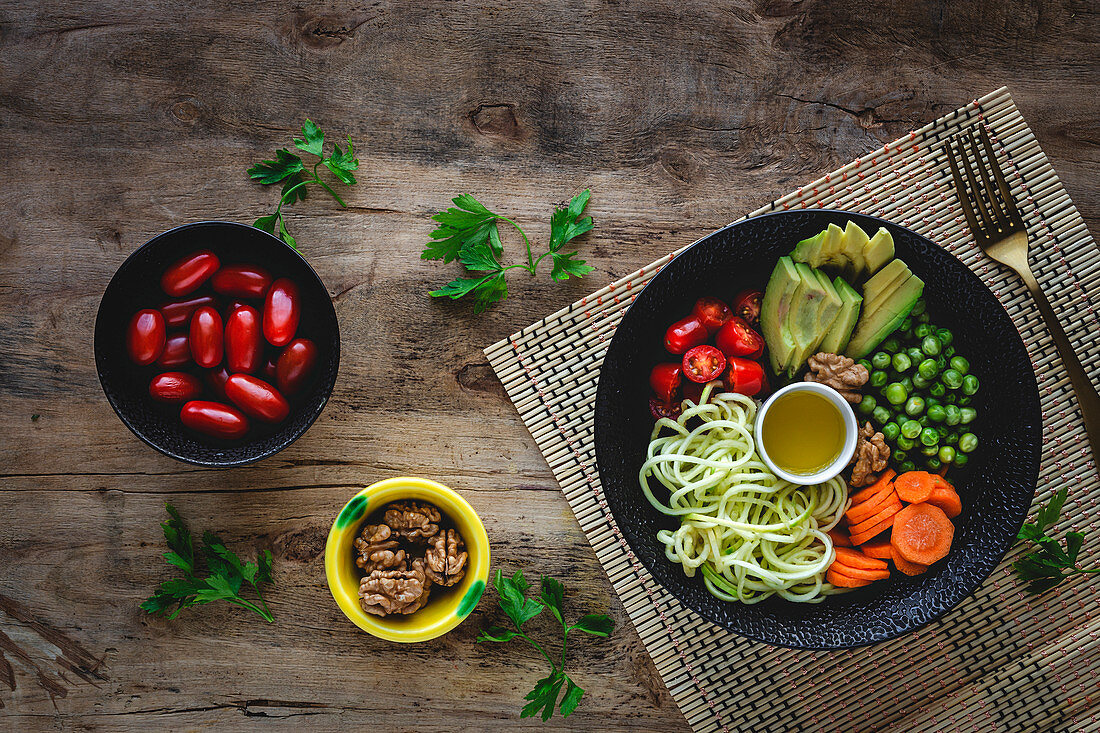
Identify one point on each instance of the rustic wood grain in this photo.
(120, 120)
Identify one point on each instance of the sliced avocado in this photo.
(878, 251)
(774, 309)
(855, 239)
(831, 246)
(812, 312)
(841, 330)
(883, 281)
(875, 326)
(809, 250)
(883, 298)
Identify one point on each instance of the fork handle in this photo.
(1087, 397)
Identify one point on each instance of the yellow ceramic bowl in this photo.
(446, 608)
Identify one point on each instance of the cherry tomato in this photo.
(145, 336)
(177, 351)
(257, 398)
(660, 409)
(243, 342)
(665, 381)
(684, 334)
(745, 377)
(215, 379)
(704, 363)
(712, 312)
(175, 387)
(737, 338)
(206, 337)
(188, 273)
(282, 309)
(178, 312)
(214, 419)
(747, 305)
(241, 281)
(295, 365)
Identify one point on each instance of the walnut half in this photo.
(415, 521)
(395, 591)
(378, 549)
(871, 456)
(840, 373)
(445, 561)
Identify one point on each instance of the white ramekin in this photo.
(850, 430)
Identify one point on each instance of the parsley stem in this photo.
(526, 242)
(538, 646)
(334, 194)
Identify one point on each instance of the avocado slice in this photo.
(855, 239)
(831, 247)
(809, 250)
(875, 326)
(883, 281)
(837, 337)
(878, 251)
(782, 288)
(812, 312)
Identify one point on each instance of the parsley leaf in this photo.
(312, 140)
(520, 609)
(285, 164)
(1049, 565)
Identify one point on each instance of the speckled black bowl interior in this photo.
(996, 487)
(136, 285)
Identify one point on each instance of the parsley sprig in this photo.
(289, 169)
(1049, 564)
(225, 573)
(468, 232)
(520, 609)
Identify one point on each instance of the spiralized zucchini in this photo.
(750, 533)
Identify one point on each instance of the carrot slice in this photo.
(922, 533)
(879, 548)
(866, 493)
(914, 486)
(946, 499)
(860, 573)
(844, 581)
(909, 568)
(871, 507)
(873, 532)
(856, 559)
(887, 511)
(839, 537)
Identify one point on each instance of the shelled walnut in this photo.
(395, 591)
(445, 561)
(871, 456)
(839, 372)
(413, 520)
(378, 549)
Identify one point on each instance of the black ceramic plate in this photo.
(996, 487)
(136, 285)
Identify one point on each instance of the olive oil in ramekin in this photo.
(803, 432)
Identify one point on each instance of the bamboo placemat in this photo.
(1001, 660)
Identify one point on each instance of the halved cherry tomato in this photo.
(214, 419)
(175, 387)
(282, 310)
(187, 274)
(660, 409)
(684, 334)
(206, 337)
(665, 380)
(745, 377)
(216, 379)
(145, 336)
(178, 312)
(241, 281)
(177, 352)
(737, 338)
(257, 398)
(243, 342)
(704, 363)
(295, 365)
(747, 305)
(713, 313)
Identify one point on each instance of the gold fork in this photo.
(999, 230)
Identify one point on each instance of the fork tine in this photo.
(1006, 195)
(960, 189)
(998, 217)
(975, 193)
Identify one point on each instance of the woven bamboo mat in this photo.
(1001, 660)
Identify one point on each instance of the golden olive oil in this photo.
(803, 432)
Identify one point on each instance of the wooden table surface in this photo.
(121, 120)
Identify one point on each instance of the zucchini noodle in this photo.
(751, 534)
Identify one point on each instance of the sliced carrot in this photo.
(887, 511)
(839, 537)
(866, 493)
(860, 573)
(844, 581)
(871, 507)
(914, 486)
(879, 548)
(873, 532)
(922, 534)
(856, 559)
(909, 568)
(946, 499)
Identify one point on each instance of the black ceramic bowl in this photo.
(996, 487)
(136, 285)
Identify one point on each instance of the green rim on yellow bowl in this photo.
(446, 608)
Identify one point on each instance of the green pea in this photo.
(928, 437)
(919, 307)
(880, 415)
(905, 466)
(906, 382)
(967, 415)
(931, 345)
(936, 389)
(963, 401)
(915, 355)
(928, 369)
(959, 364)
(937, 413)
(880, 360)
(968, 442)
(899, 456)
(930, 400)
(945, 336)
(901, 362)
(890, 345)
(890, 431)
(922, 330)
(970, 384)
(896, 394)
(952, 379)
(952, 439)
(906, 325)
(949, 352)
(910, 429)
(934, 463)
(941, 362)
(923, 318)
(924, 421)
(914, 406)
(961, 459)
(920, 382)
(866, 364)
(952, 415)
(947, 454)
(868, 404)
(906, 443)
(929, 450)
(949, 398)
(878, 378)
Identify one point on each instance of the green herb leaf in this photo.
(1049, 564)
(267, 223)
(497, 633)
(491, 291)
(465, 224)
(544, 696)
(571, 698)
(513, 600)
(291, 191)
(564, 266)
(597, 624)
(563, 223)
(1048, 515)
(343, 163)
(285, 235)
(312, 140)
(552, 594)
(285, 164)
(478, 257)
(457, 288)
